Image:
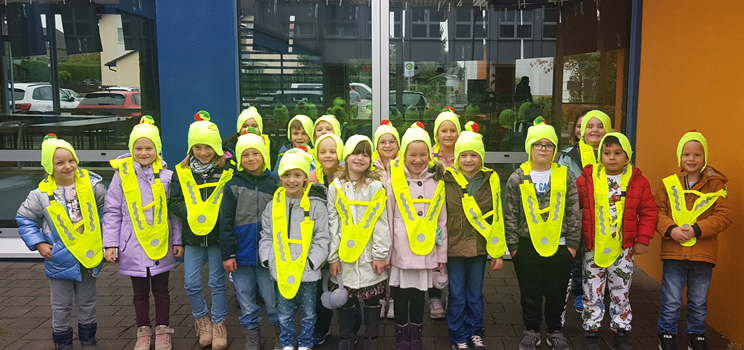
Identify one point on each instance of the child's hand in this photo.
(497, 264)
(640, 248)
(230, 265)
(178, 251)
(439, 267)
(45, 249)
(572, 251)
(682, 234)
(378, 266)
(336, 268)
(514, 253)
(110, 255)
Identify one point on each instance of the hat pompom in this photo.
(386, 122)
(50, 136)
(202, 116)
(472, 126)
(147, 119)
(448, 108)
(304, 148)
(250, 130)
(419, 125)
(539, 121)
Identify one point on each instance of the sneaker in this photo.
(667, 341)
(697, 342)
(252, 339)
(289, 348)
(304, 348)
(477, 342)
(621, 340)
(143, 338)
(163, 337)
(592, 340)
(530, 341)
(558, 341)
(578, 304)
(436, 310)
(391, 309)
(460, 346)
(383, 308)
(320, 338)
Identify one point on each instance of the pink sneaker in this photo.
(163, 338)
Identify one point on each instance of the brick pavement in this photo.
(25, 317)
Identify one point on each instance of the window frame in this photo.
(516, 23)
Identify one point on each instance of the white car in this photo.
(37, 98)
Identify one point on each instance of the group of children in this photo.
(332, 224)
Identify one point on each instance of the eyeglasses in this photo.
(387, 143)
(540, 146)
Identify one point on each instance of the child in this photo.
(690, 245)
(360, 240)
(196, 194)
(294, 244)
(246, 196)
(594, 125)
(138, 228)
(248, 118)
(72, 261)
(328, 148)
(299, 130)
(419, 232)
(618, 222)
(543, 228)
(471, 189)
(327, 124)
(446, 131)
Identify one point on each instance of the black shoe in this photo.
(697, 342)
(667, 341)
(592, 340)
(622, 341)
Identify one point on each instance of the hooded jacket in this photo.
(463, 239)
(320, 242)
(35, 226)
(712, 222)
(639, 217)
(246, 197)
(118, 231)
(571, 158)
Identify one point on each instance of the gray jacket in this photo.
(571, 158)
(319, 245)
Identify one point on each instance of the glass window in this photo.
(103, 99)
(520, 22)
(42, 93)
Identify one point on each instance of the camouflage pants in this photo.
(617, 279)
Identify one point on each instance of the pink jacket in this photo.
(400, 254)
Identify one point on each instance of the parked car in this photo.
(410, 98)
(37, 98)
(73, 93)
(119, 103)
(122, 88)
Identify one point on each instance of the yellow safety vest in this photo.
(153, 238)
(587, 154)
(85, 246)
(545, 235)
(493, 233)
(682, 216)
(267, 141)
(607, 248)
(289, 272)
(355, 236)
(202, 215)
(422, 231)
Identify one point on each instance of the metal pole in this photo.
(54, 78)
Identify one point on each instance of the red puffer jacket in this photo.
(639, 219)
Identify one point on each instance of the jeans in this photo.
(465, 301)
(247, 279)
(697, 275)
(286, 311)
(64, 292)
(194, 259)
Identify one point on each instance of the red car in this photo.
(118, 103)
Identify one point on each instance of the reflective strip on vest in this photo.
(85, 246)
(494, 232)
(202, 215)
(289, 272)
(421, 231)
(153, 238)
(545, 235)
(355, 236)
(267, 142)
(587, 154)
(606, 247)
(682, 216)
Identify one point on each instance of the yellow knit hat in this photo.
(147, 129)
(693, 135)
(205, 132)
(470, 140)
(386, 127)
(415, 132)
(307, 125)
(49, 146)
(352, 143)
(336, 139)
(445, 116)
(296, 158)
(624, 144)
(330, 119)
(248, 140)
(250, 113)
(604, 118)
(540, 130)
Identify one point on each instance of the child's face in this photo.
(417, 157)
(388, 146)
(294, 181)
(693, 157)
(323, 128)
(250, 123)
(577, 128)
(447, 134)
(594, 132)
(65, 166)
(358, 163)
(470, 162)
(614, 159)
(144, 151)
(327, 154)
(299, 137)
(204, 153)
(542, 151)
(252, 161)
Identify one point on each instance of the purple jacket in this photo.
(119, 233)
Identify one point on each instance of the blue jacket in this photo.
(35, 226)
(286, 147)
(245, 198)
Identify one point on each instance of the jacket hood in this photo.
(318, 192)
(448, 177)
(246, 176)
(710, 174)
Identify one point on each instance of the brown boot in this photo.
(203, 327)
(219, 341)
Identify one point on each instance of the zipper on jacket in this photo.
(258, 220)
